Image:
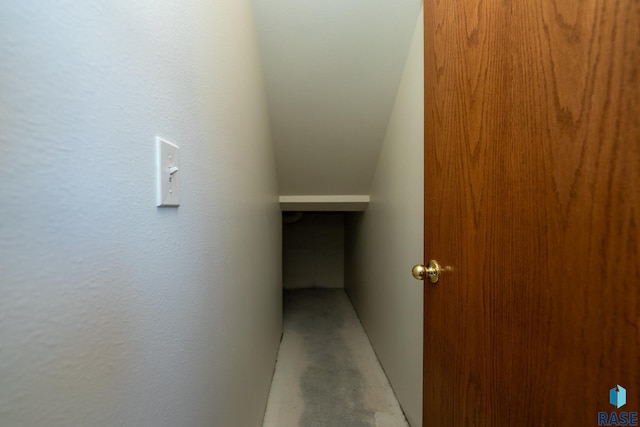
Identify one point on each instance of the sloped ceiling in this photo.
(332, 69)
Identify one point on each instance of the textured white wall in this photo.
(384, 242)
(313, 251)
(114, 312)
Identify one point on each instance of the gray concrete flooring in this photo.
(327, 374)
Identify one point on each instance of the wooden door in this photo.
(532, 202)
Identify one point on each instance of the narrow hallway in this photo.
(327, 373)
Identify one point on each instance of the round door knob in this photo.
(431, 271)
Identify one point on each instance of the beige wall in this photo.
(384, 242)
(114, 312)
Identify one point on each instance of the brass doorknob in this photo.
(431, 270)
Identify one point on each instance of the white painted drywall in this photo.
(332, 70)
(384, 242)
(313, 251)
(114, 312)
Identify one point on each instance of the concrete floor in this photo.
(327, 374)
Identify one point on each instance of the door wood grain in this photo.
(532, 202)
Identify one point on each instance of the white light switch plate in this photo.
(168, 165)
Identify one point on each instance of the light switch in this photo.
(168, 164)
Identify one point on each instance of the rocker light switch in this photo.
(168, 165)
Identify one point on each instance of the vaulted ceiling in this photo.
(332, 69)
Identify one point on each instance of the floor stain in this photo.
(332, 385)
(327, 374)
